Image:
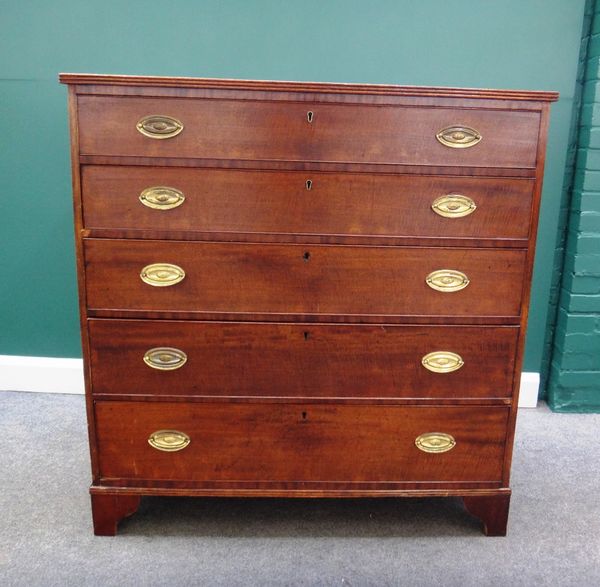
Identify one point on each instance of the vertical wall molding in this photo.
(574, 360)
(565, 201)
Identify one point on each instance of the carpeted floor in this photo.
(46, 537)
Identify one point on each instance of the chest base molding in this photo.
(110, 505)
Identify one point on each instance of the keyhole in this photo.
(309, 184)
(310, 115)
(306, 256)
(304, 415)
(306, 335)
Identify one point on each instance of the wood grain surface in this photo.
(260, 130)
(304, 313)
(278, 202)
(315, 279)
(299, 442)
(299, 360)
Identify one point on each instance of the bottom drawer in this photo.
(299, 442)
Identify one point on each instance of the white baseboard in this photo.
(49, 375)
(530, 389)
(43, 374)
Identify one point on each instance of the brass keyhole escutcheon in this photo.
(310, 115)
(306, 256)
(309, 184)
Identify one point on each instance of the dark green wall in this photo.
(530, 44)
(574, 374)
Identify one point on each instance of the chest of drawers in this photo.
(302, 289)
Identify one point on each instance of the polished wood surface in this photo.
(261, 130)
(492, 510)
(304, 313)
(300, 360)
(278, 202)
(379, 169)
(296, 442)
(150, 82)
(295, 279)
(541, 159)
(109, 509)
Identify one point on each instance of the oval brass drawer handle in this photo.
(453, 206)
(168, 440)
(435, 442)
(161, 197)
(447, 280)
(458, 137)
(162, 274)
(165, 358)
(158, 126)
(442, 361)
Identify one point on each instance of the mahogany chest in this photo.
(302, 289)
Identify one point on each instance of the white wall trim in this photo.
(43, 374)
(49, 375)
(530, 388)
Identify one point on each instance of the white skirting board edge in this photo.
(44, 374)
(530, 389)
(49, 375)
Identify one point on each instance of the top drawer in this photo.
(304, 131)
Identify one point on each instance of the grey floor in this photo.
(46, 537)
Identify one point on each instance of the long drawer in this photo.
(305, 131)
(299, 442)
(243, 201)
(175, 276)
(187, 358)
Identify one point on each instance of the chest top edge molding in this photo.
(316, 87)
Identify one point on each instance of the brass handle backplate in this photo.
(162, 274)
(442, 361)
(168, 440)
(458, 137)
(165, 358)
(161, 197)
(158, 126)
(447, 280)
(435, 442)
(453, 206)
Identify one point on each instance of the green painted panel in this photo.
(509, 44)
(38, 313)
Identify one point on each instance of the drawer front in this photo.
(298, 442)
(300, 360)
(277, 130)
(295, 360)
(307, 279)
(219, 200)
